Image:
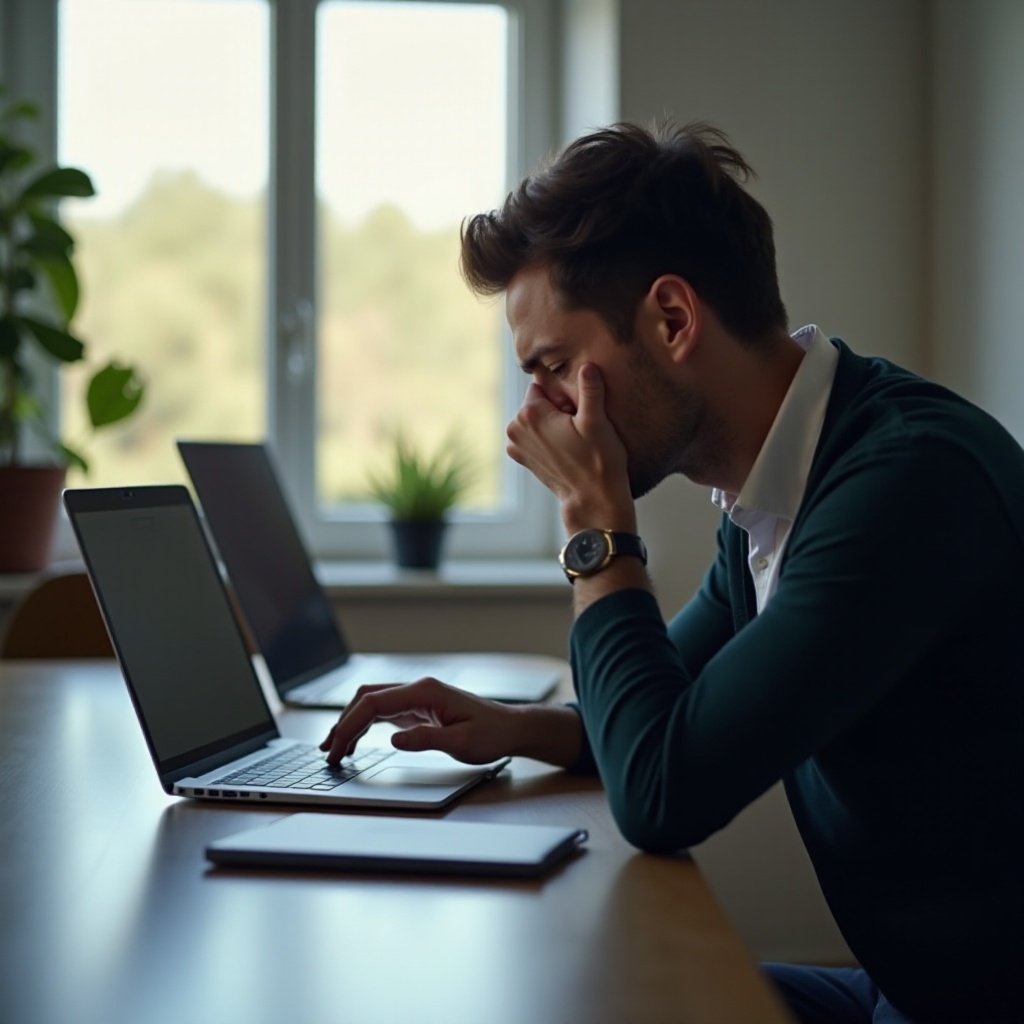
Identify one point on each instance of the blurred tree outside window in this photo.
(169, 105)
(401, 339)
(165, 103)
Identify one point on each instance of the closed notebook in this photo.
(388, 844)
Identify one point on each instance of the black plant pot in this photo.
(418, 543)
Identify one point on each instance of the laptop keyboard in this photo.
(302, 767)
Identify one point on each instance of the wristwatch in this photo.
(589, 551)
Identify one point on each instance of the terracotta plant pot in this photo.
(29, 501)
(418, 543)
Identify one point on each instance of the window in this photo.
(401, 342)
(166, 104)
(275, 236)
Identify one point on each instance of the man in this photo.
(860, 635)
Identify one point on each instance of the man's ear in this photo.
(677, 313)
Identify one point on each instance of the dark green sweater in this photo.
(883, 683)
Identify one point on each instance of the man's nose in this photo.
(557, 393)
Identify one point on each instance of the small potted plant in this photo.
(38, 298)
(419, 490)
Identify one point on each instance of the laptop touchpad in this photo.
(425, 776)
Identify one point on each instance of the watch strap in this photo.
(628, 544)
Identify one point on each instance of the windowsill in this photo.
(520, 580)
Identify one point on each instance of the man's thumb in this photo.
(418, 737)
(591, 390)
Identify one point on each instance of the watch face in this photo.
(587, 552)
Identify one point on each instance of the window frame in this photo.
(527, 525)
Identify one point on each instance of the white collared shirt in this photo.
(771, 495)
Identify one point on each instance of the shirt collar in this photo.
(778, 478)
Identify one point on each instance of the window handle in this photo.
(297, 336)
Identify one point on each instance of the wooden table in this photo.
(109, 912)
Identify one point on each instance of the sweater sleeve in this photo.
(701, 626)
(688, 724)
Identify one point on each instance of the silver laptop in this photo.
(210, 731)
(289, 614)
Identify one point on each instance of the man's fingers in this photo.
(590, 388)
(391, 700)
(343, 742)
(536, 398)
(465, 741)
(421, 737)
(372, 704)
(535, 408)
(360, 693)
(349, 729)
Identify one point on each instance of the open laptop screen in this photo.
(183, 656)
(291, 619)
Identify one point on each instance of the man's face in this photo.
(654, 416)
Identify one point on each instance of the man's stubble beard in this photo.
(675, 430)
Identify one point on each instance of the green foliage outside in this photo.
(406, 348)
(177, 283)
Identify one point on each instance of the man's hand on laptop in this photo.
(431, 715)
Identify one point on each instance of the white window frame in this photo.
(527, 525)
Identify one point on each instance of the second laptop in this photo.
(291, 617)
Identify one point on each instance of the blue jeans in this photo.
(832, 995)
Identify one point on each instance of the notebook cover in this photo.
(391, 844)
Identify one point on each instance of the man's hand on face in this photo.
(577, 455)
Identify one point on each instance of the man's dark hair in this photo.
(621, 206)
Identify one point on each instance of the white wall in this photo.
(977, 285)
(828, 101)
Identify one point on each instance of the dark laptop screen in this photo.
(179, 645)
(287, 610)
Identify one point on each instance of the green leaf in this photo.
(59, 182)
(48, 237)
(10, 337)
(114, 393)
(14, 158)
(72, 457)
(36, 246)
(22, 279)
(20, 110)
(60, 344)
(27, 407)
(418, 487)
(26, 379)
(60, 272)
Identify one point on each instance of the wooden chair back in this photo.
(59, 618)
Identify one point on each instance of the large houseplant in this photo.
(418, 491)
(38, 298)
